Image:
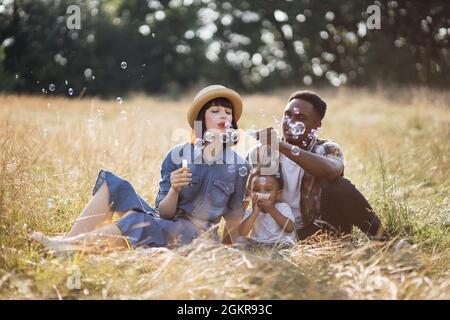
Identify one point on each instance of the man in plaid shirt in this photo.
(321, 199)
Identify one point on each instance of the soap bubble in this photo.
(243, 171)
(199, 143)
(319, 150)
(88, 72)
(123, 114)
(70, 91)
(297, 128)
(119, 100)
(123, 65)
(224, 137)
(209, 136)
(51, 87)
(296, 110)
(144, 30)
(235, 136)
(231, 168)
(295, 150)
(263, 180)
(228, 125)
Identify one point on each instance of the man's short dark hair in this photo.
(319, 105)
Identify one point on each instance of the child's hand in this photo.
(180, 178)
(255, 203)
(266, 205)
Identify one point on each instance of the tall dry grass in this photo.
(396, 151)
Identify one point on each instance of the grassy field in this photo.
(396, 149)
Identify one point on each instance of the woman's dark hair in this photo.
(319, 105)
(221, 101)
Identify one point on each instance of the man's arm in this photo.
(318, 166)
(321, 167)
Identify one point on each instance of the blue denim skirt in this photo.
(141, 225)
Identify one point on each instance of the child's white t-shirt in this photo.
(266, 229)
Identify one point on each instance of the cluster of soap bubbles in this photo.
(243, 171)
(313, 134)
(295, 128)
(229, 134)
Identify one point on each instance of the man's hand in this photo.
(180, 178)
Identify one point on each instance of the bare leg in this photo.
(106, 237)
(96, 213)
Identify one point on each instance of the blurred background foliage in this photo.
(171, 46)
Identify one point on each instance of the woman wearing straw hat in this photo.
(200, 183)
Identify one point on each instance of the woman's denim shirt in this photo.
(216, 189)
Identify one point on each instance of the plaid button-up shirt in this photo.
(311, 190)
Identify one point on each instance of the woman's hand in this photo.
(180, 178)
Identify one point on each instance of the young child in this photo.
(268, 221)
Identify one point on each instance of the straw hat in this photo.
(212, 92)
